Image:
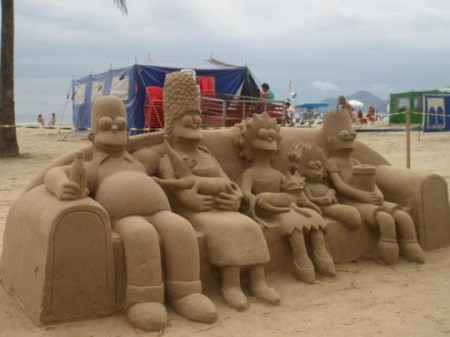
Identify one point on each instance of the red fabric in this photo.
(153, 92)
(206, 84)
(154, 112)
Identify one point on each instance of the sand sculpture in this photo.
(140, 212)
(309, 160)
(275, 200)
(355, 184)
(83, 240)
(212, 201)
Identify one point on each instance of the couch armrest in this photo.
(425, 197)
(58, 252)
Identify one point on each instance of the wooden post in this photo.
(224, 114)
(408, 138)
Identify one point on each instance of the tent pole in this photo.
(408, 138)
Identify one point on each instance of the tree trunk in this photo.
(8, 138)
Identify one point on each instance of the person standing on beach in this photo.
(266, 92)
(52, 121)
(342, 104)
(40, 120)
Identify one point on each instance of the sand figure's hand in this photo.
(191, 199)
(323, 201)
(231, 199)
(69, 191)
(264, 205)
(377, 198)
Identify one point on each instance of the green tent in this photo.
(399, 102)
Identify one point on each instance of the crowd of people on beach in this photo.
(288, 117)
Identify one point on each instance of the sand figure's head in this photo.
(259, 132)
(109, 124)
(293, 183)
(309, 160)
(182, 113)
(338, 131)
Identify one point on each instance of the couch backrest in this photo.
(221, 144)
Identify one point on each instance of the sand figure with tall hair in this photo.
(276, 200)
(209, 200)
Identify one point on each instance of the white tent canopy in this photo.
(357, 105)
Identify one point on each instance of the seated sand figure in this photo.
(233, 240)
(62, 262)
(278, 201)
(309, 161)
(355, 185)
(140, 212)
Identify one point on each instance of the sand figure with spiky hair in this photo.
(355, 185)
(275, 200)
(308, 159)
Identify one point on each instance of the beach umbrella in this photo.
(357, 105)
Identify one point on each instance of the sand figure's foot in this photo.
(323, 262)
(262, 291)
(148, 316)
(304, 269)
(388, 251)
(195, 307)
(412, 251)
(235, 298)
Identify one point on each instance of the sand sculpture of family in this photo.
(159, 202)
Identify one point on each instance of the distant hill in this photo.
(363, 96)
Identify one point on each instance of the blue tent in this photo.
(130, 83)
(436, 112)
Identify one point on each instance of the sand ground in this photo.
(364, 299)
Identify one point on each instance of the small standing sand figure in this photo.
(309, 160)
(279, 201)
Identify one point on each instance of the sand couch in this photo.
(63, 262)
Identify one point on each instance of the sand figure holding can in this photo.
(355, 186)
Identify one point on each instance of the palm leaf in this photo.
(122, 5)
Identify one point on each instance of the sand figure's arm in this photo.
(57, 182)
(349, 191)
(247, 187)
(331, 195)
(230, 200)
(189, 197)
(303, 201)
(323, 200)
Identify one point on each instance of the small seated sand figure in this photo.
(355, 186)
(140, 212)
(233, 240)
(309, 160)
(278, 201)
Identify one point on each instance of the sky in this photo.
(325, 47)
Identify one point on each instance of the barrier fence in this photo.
(66, 127)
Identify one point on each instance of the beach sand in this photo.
(364, 299)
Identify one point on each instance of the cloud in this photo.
(360, 44)
(322, 85)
